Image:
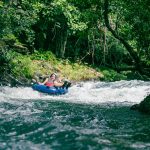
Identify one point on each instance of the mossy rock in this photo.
(144, 106)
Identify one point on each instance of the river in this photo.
(92, 116)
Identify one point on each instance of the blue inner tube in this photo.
(50, 90)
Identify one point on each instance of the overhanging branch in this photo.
(125, 43)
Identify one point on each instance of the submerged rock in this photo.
(135, 107)
(144, 106)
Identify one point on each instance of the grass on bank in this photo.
(45, 63)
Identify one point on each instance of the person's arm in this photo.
(58, 83)
(42, 83)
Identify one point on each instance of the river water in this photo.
(92, 116)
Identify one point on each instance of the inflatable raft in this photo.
(50, 90)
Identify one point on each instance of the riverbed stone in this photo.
(144, 106)
(134, 107)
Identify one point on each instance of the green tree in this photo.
(130, 33)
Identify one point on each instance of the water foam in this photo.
(85, 92)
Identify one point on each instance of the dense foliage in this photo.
(112, 33)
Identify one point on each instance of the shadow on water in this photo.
(36, 124)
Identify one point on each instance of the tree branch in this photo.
(125, 43)
(133, 54)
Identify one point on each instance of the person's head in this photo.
(53, 76)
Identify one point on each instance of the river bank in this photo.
(20, 69)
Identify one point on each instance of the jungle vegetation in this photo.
(101, 33)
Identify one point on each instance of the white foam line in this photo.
(88, 92)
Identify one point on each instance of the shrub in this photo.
(22, 66)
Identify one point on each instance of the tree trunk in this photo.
(61, 42)
(93, 47)
(104, 47)
(125, 43)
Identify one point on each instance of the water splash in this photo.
(85, 92)
(28, 121)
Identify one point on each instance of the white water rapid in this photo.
(85, 92)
